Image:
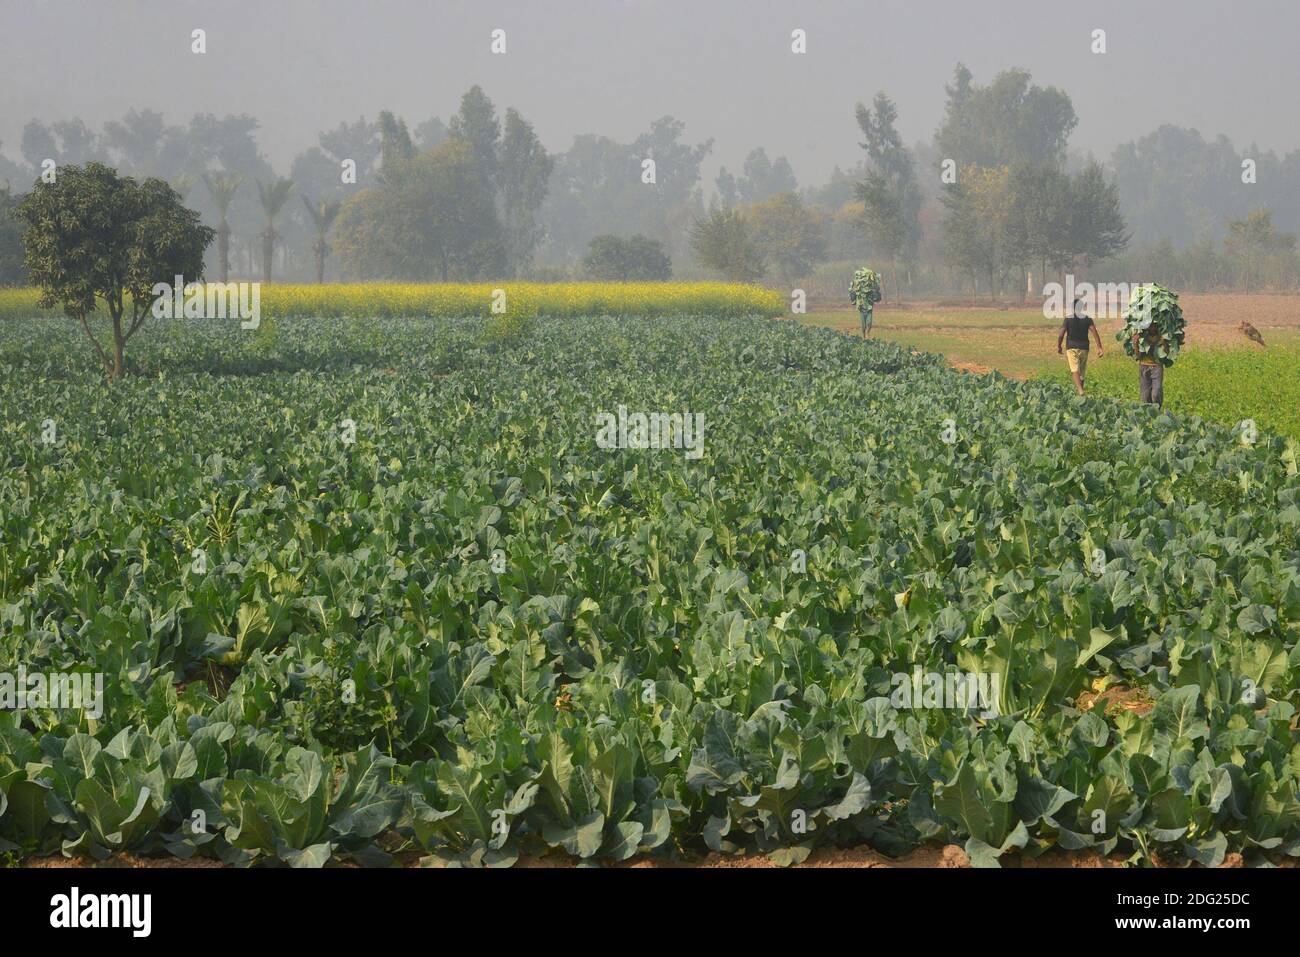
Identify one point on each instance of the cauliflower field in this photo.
(362, 589)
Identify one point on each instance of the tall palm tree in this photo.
(222, 186)
(273, 198)
(322, 217)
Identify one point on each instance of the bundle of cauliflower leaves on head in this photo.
(1154, 327)
(864, 290)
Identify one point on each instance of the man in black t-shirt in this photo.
(1074, 333)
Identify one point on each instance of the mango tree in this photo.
(94, 235)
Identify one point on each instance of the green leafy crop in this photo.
(864, 289)
(371, 590)
(1154, 327)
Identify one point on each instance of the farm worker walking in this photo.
(865, 292)
(1151, 374)
(1074, 333)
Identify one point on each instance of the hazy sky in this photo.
(724, 67)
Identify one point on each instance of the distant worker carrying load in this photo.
(1153, 333)
(864, 292)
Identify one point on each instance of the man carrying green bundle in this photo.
(1154, 332)
(864, 292)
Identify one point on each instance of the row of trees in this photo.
(468, 208)
(994, 198)
(141, 144)
(1010, 207)
(261, 227)
(600, 184)
(1007, 205)
(1002, 200)
(1176, 184)
(1254, 254)
(1013, 223)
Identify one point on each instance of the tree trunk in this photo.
(320, 260)
(268, 248)
(119, 349)
(99, 350)
(223, 250)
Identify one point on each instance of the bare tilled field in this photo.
(1263, 309)
(1213, 318)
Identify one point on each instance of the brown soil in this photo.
(1212, 318)
(120, 860)
(1263, 310)
(975, 304)
(1118, 698)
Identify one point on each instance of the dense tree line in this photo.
(994, 203)
(467, 208)
(600, 185)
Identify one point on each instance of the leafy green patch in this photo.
(460, 627)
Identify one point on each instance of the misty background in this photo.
(1184, 92)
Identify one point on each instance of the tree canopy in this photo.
(723, 241)
(630, 259)
(1010, 121)
(430, 219)
(96, 236)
